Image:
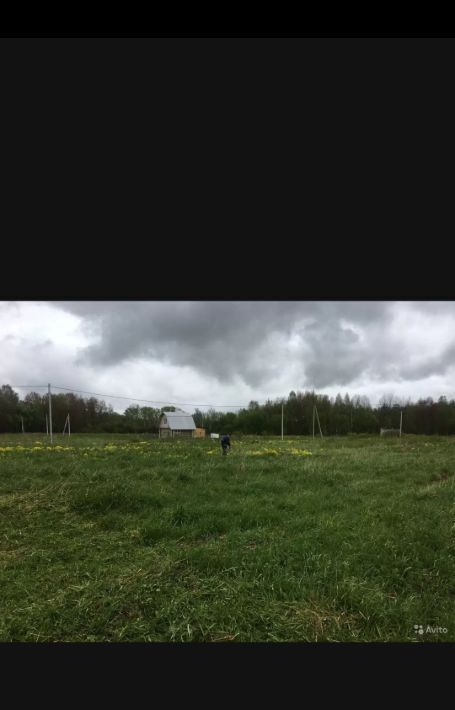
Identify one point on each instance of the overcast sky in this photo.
(228, 353)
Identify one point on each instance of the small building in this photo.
(199, 433)
(178, 423)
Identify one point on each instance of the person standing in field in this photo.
(225, 444)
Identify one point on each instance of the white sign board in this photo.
(214, 436)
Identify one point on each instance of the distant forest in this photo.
(338, 416)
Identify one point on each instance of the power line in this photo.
(119, 396)
(149, 401)
(135, 399)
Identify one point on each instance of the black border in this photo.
(242, 672)
(213, 168)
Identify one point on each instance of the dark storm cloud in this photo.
(335, 354)
(433, 366)
(230, 339)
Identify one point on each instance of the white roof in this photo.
(179, 420)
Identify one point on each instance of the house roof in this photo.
(179, 420)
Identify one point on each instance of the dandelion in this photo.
(264, 452)
(301, 452)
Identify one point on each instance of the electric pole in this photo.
(50, 411)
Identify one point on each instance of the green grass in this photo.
(170, 541)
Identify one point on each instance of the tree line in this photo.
(338, 415)
(87, 415)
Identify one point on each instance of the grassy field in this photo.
(128, 538)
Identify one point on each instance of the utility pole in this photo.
(69, 425)
(47, 427)
(401, 422)
(282, 421)
(319, 423)
(50, 411)
(313, 419)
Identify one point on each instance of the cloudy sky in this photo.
(227, 353)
